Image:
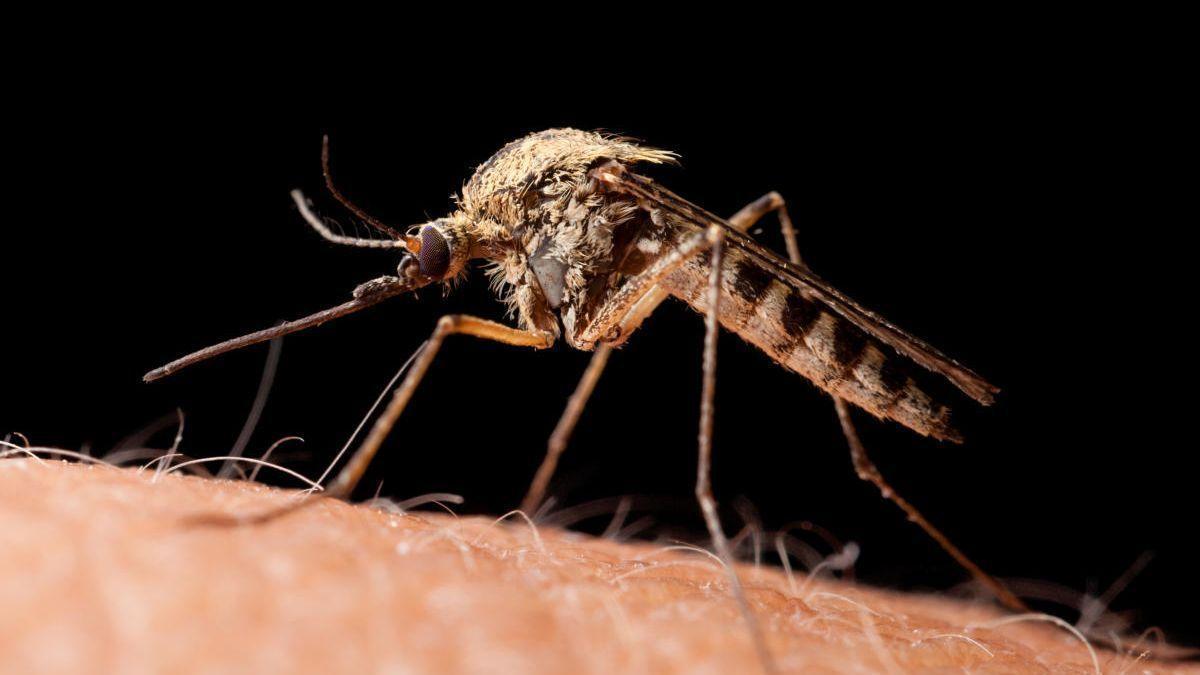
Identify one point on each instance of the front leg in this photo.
(343, 485)
(451, 324)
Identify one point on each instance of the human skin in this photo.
(105, 570)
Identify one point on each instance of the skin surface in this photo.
(101, 574)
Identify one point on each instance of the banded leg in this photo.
(743, 220)
(864, 467)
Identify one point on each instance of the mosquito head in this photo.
(438, 250)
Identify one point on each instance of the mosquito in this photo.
(583, 249)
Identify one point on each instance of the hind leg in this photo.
(863, 465)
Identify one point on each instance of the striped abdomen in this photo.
(804, 335)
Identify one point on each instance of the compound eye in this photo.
(434, 254)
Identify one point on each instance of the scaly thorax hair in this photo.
(557, 240)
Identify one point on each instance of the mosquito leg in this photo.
(751, 213)
(611, 316)
(863, 466)
(451, 324)
(610, 323)
(343, 485)
(612, 320)
(704, 493)
(742, 220)
(867, 471)
(566, 424)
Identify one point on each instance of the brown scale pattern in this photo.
(828, 350)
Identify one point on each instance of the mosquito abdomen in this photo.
(807, 337)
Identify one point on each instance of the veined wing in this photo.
(813, 287)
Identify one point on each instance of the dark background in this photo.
(1013, 209)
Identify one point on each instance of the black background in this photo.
(1013, 209)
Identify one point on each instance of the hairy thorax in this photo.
(558, 241)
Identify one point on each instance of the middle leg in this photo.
(742, 221)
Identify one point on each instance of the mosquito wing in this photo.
(805, 324)
(919, 351)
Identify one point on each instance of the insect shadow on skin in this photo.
(581, 248)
